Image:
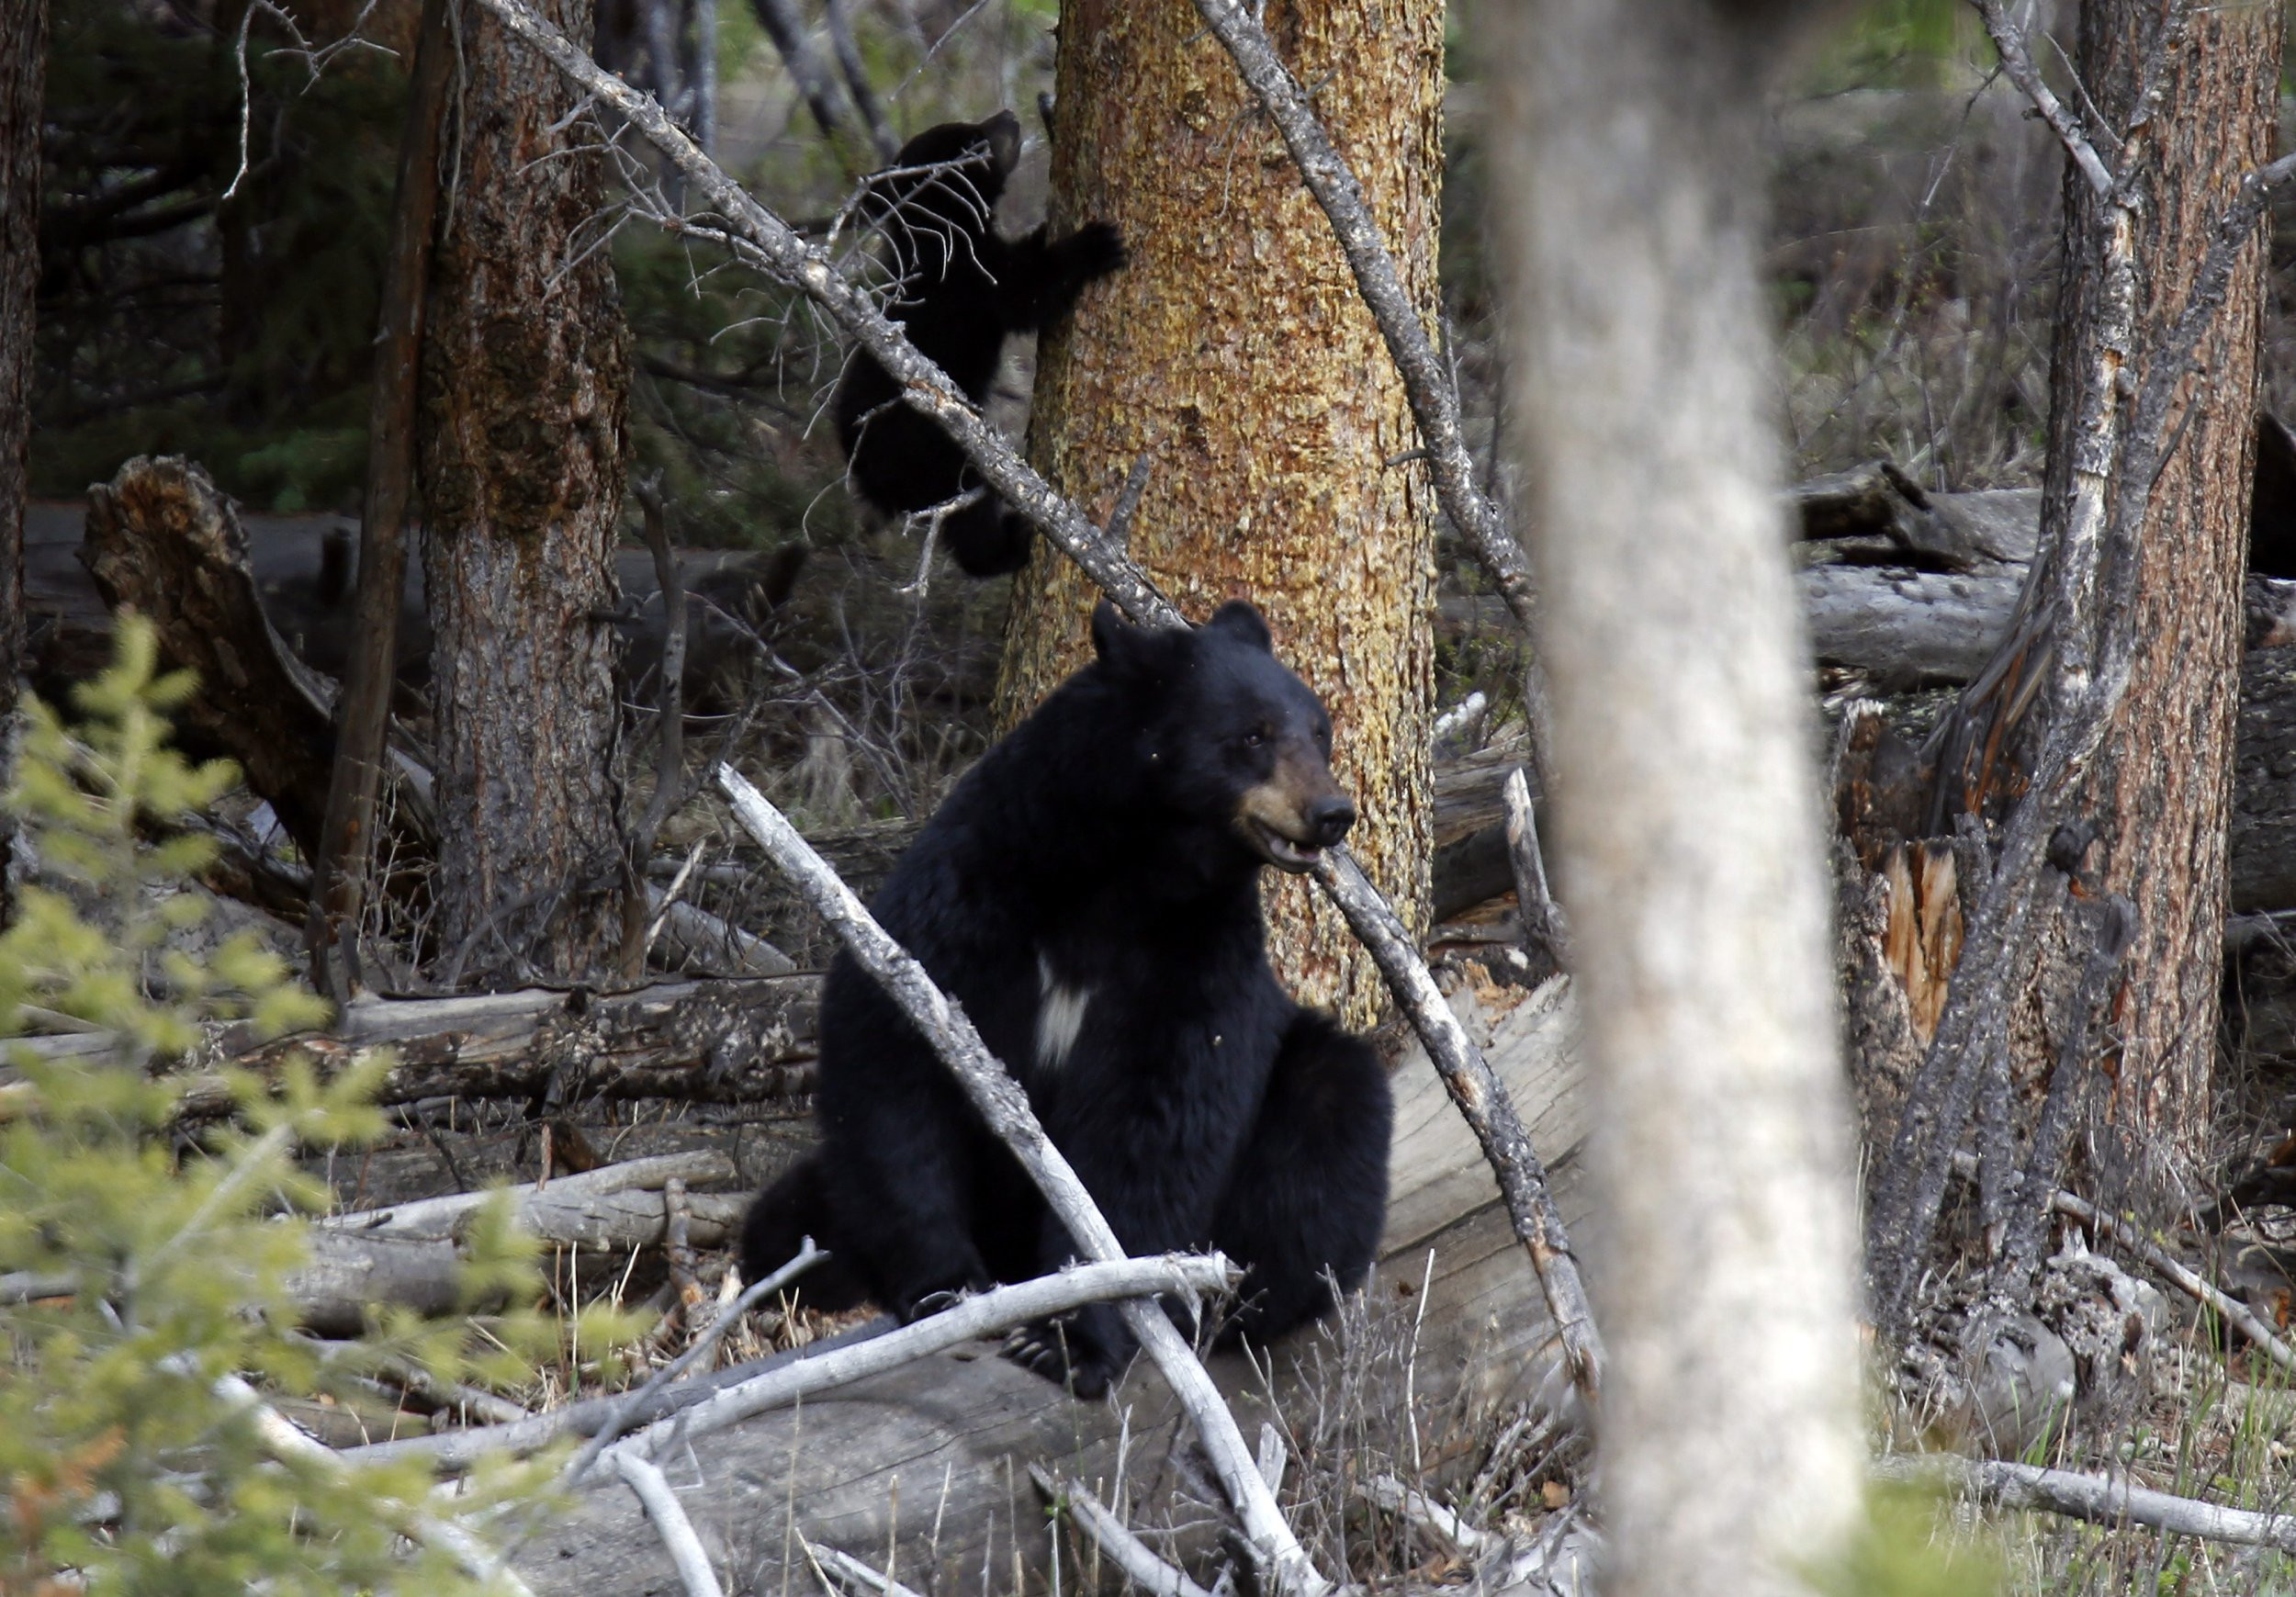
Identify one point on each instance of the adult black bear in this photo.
(1090, 894)
(961, 288)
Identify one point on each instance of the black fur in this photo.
(962, 288)
(1103, 848)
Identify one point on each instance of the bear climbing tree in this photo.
(959, 288)
(1234, 354)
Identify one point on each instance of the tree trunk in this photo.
(2160, 787)
(24, 23)
(1235, 355)
(1628, 223)
(525, 379)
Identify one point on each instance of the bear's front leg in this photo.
(1156, 1189)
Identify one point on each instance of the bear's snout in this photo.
(1329, 818)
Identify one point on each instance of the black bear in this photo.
(961, 288)
(1090, 892)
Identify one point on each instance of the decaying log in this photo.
(745, 1041)
(923, 1459)
(408, 1254)
(162, 539)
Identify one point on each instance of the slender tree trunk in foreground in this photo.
(526, 367)
(24, 24)
(1235, 354)
(1628, 220)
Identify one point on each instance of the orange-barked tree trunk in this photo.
(1235, 354)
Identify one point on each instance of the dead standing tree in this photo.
(525, 369)
(1628, 222)
(2126, 650)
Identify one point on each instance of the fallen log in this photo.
(929, 1461)
(725, 1040)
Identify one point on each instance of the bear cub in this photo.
(961, 288)
(1090, 892)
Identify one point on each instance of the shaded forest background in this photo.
(188, 306)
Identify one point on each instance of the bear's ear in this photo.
(1117, 641)
(1004, 141)
(1241, 621)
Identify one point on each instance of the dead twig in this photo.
(282, 1440)
(1004, 1108)
(851, 1573)
(672, 1525)
(1137, 1560)
(2099, 1500)
(633, 1403)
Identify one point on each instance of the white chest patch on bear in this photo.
(1059, 1017)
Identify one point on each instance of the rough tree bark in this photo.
(1628, 223)
(526, 367)
(1235, 354)
(24, 24)
(2160, 787)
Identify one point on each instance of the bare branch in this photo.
(783, 1383)
(1543, 923)
(2099, 1500)
(1136, 1559)
(671, 1523)
(1483, 1100)
(282, 1440)
(2186, 1280)
(2018, 62)
(851, 1573)
(633, 1403)
(1004, 1108)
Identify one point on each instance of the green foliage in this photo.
(129, 1457)
(1908, 1547)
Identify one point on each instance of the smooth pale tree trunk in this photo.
(525, 376)
(24, 25)
(1627, 220)
(1235, 354)
(2160, 787)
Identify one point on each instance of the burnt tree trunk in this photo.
(24, 24)
(1236, 357)
(2160, 787)
(526, 367)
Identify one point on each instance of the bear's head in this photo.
(1231, 741)
(947, 180)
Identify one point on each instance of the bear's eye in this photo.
(1255, 736)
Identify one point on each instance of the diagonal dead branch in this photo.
(2018, 62)
(1488, 1111)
